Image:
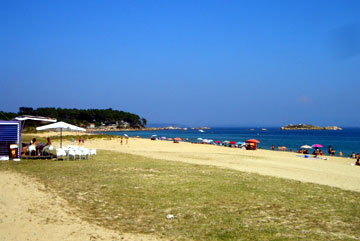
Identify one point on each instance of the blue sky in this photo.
(217, 63)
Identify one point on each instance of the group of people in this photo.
(33, 148)
(126, 139)
(80, 140)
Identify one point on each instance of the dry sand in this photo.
(29, 212)
(335, 171)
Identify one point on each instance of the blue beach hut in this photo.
(10, 134)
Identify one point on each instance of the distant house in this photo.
(92, 125)
(123, 124)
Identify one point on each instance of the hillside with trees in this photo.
(81, 117)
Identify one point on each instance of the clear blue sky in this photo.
(217, 63)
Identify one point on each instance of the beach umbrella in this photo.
(239, 143)
(217, 142)
(126, 135)
(169, 139)
(232, 142)
(226, 141)
(317, 145)
(199, 139)
(252, 141)
(60, 126)
(163, 138)
(177, 139)
(305, 147)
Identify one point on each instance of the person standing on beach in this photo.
(126, 139)
(272, 147)
(79, 139)
(357, 163)
(330, 150)
(121, 140)
(83, 140)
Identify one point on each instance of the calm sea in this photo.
(347, 140)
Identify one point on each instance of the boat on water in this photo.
(201, 130)
(263, 129)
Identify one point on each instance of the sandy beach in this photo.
(334, 171)
(28, 206)
(28, 211)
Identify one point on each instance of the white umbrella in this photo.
(60, 126)
(305, 147)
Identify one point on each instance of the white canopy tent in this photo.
(60, 126)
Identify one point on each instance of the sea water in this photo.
(346, 141)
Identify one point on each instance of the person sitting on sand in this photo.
(353, 155)
(321, 153)
(316, 152)
(340, 153)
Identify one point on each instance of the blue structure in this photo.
(10, 133)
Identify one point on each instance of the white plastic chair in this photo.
(72, 153)
(31, 148)
(60, 153)
(93, 152)
(47, 148)
(85, 153)
(78, 153)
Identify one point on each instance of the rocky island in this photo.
(309, 127)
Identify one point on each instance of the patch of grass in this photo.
(134, 194)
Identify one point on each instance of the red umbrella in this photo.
(252, 141)
(218, 142)
(232, 143)
(177, 139)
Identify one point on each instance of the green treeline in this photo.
(81, 117)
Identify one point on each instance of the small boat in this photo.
(185, 129)
(263, 129)
(201, 130)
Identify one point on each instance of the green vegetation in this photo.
(80, 117)
(134, 194)
(309, 127)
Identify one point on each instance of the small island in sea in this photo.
(309, 127)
